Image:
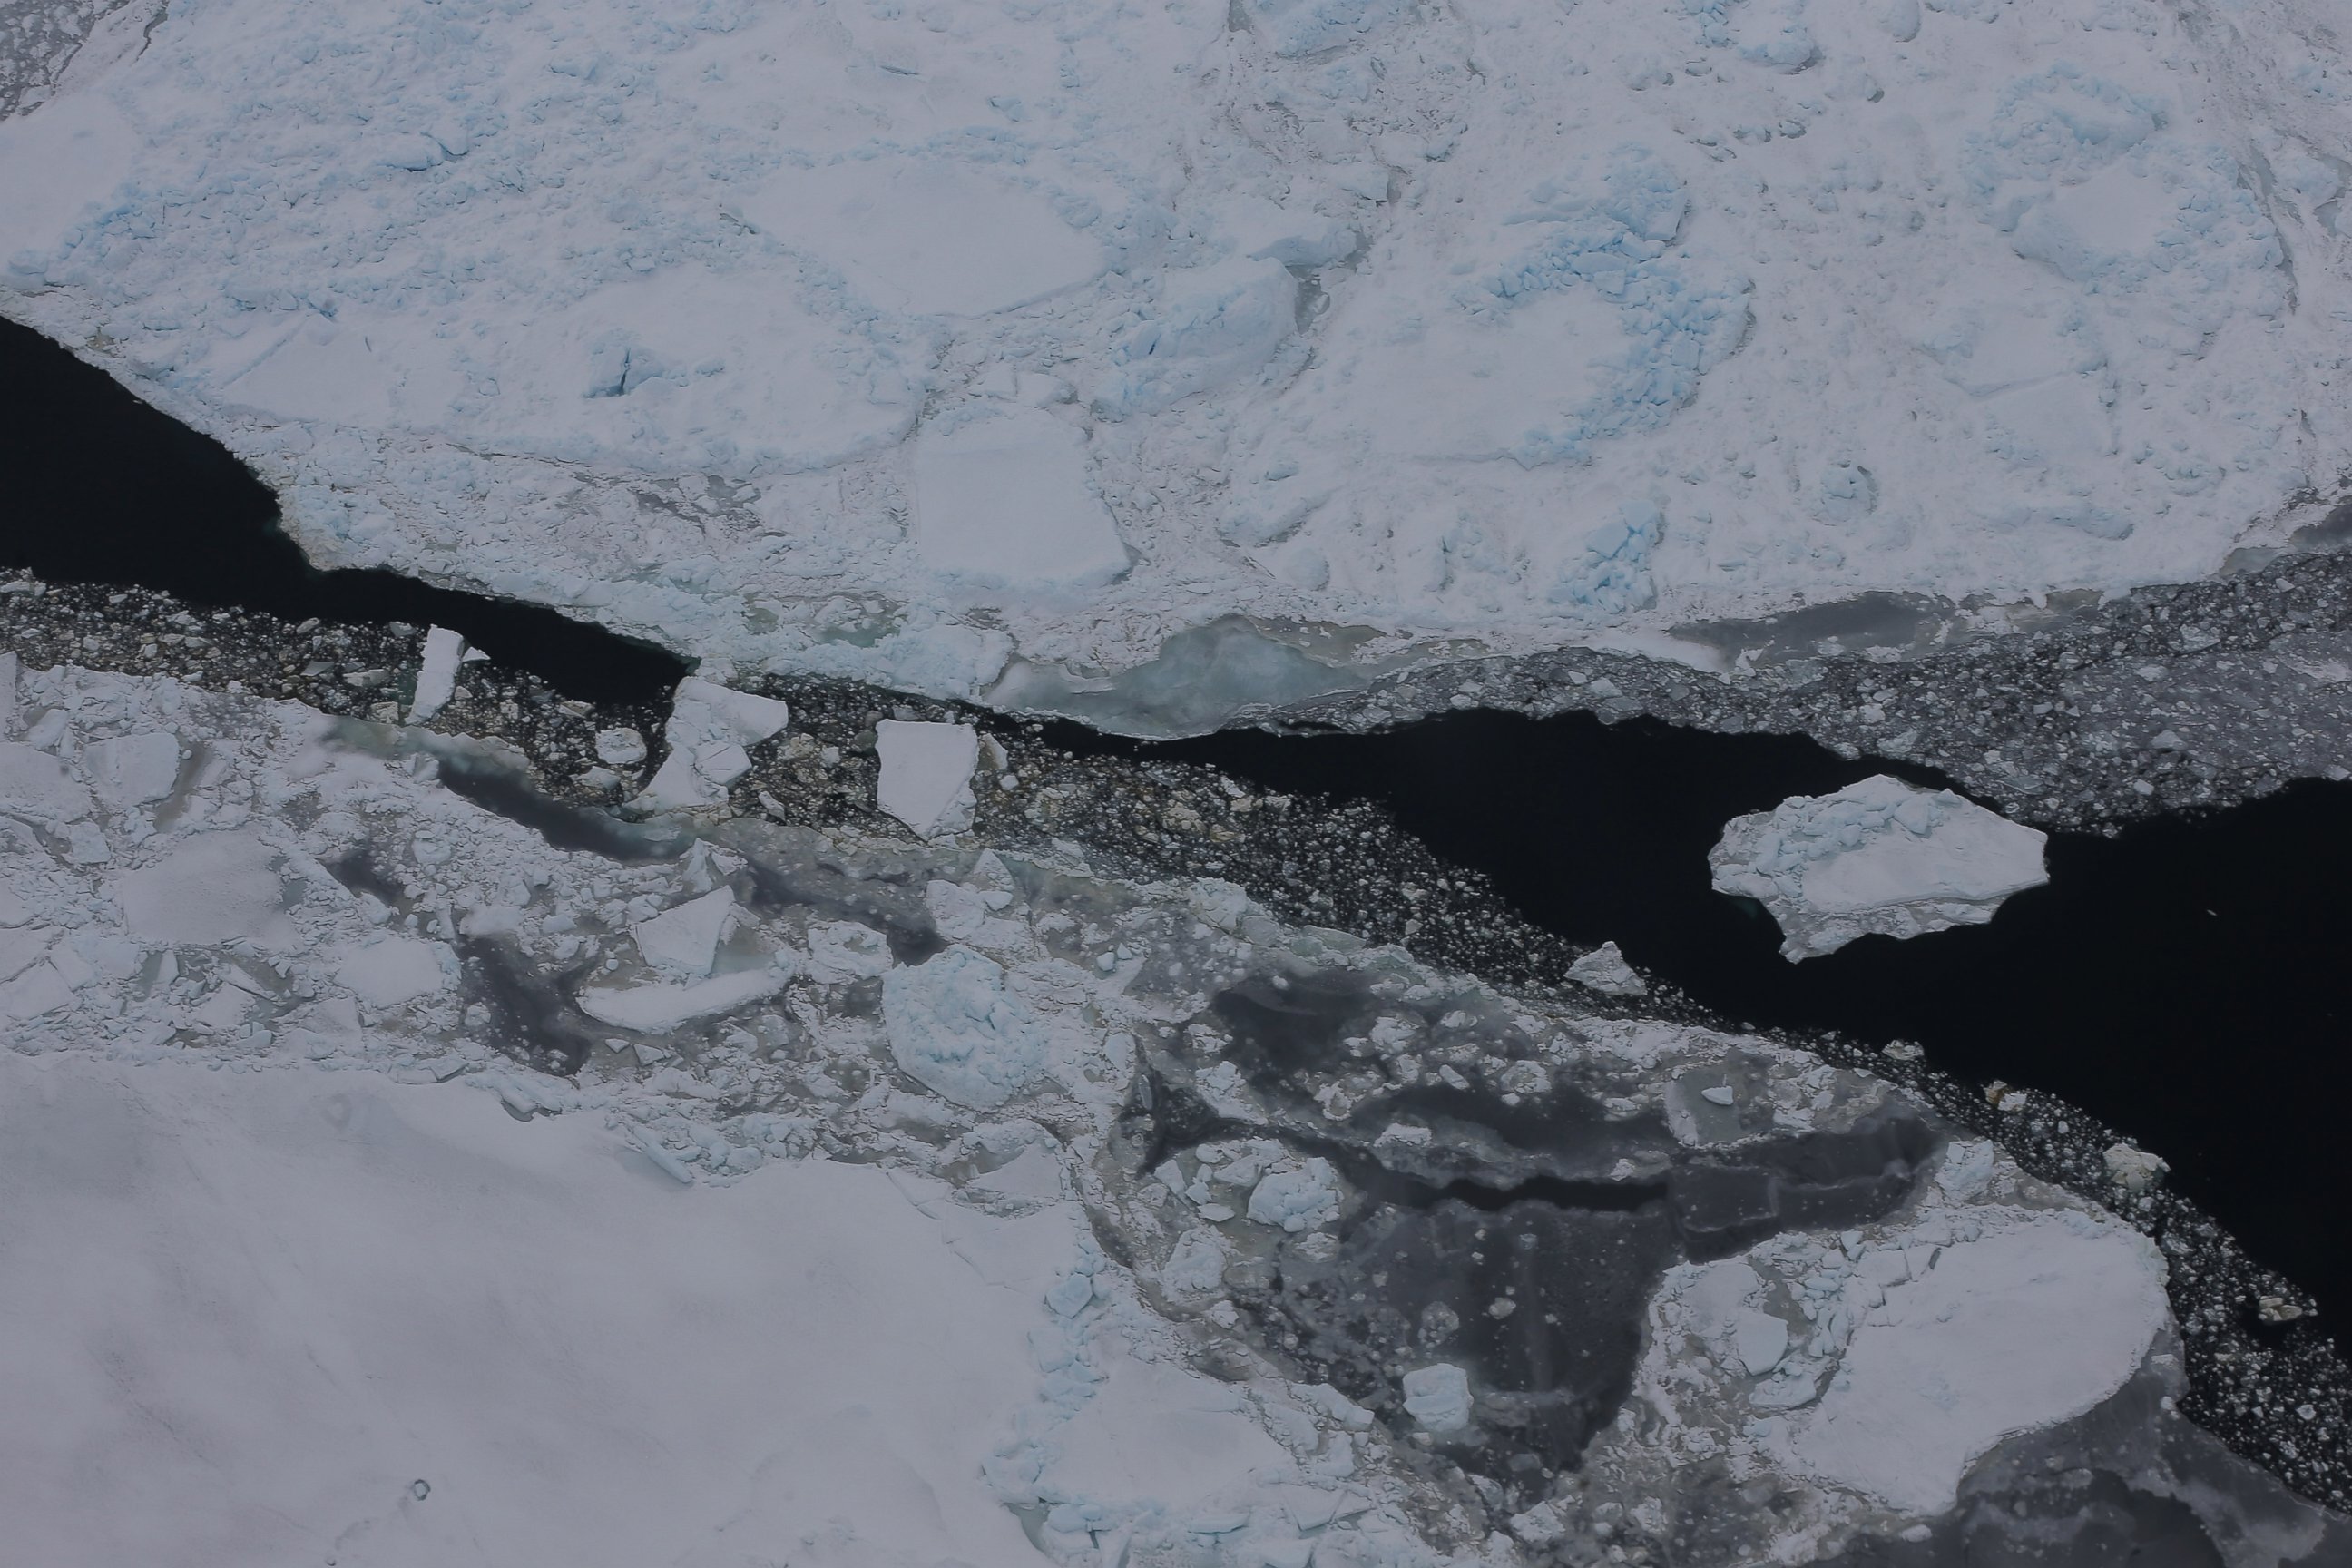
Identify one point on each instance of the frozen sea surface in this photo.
(902, 346)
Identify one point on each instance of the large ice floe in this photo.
(997, 352)
(395, 1181)
(1881, 856)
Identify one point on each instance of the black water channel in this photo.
(98, 486)
(2184, 982)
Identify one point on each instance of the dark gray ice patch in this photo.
(530, 1019)
(1725, 1201)
(506, 791)
(1540, 1305)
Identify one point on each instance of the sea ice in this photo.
(710, 730)
(926, 775)
(955, 1029)
(658, 1008)
(1881, 856)
(1604, 970)
(436, 680)
(685, 940)
(1438, 1396)
(1005, 499)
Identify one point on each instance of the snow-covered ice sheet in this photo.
(894, 343)
(1878, 857)
(245, 1315)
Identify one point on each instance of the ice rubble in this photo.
(902, 352)
(1019, 1009)
(1882, 856)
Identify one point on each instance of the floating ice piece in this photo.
(1296, 1200)
(620, 748)
(1604, 970)
(37, 785)
(396, 969)
(709, 732)
(2027, 1327)
(926, 780)
(685, 939)
(216, 887)
(40, 990)
(1760, 1339)
(436, 681)
(954, 1029)
(845, 950)
(1007, 500)
(653, 1009)
(1881, 856)
(1438, 1397)
(134, 770)
(2134, 1170)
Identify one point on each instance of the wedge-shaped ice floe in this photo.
(653, 1010)
(1882, 856)
(709, 732)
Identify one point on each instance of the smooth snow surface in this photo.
(1881, 856)
(904, 344)
(244, 1313)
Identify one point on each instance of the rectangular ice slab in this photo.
(926, 781)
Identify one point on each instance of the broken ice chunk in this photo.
(653, 1009)
(685, 939)
(35, 784)
(1881, 856)
(436, 681)
(710, 730)
(134, 770)
(955, 1030)
(1296, 1200)
(620, 748)
(2134, 1170)
(926, 779)
(1604, 970)
(1438, 1397)
(215, 888)
(1760, 1339)
(396, 969)
(845, 950)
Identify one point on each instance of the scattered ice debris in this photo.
(1881, 856)
(2134, 1170)
(1604, 970)
(955, 1029)
(1438, 1396)
(437, 678)
(926, 776)
(709, 733)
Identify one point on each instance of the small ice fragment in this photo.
(620, 748)
(1296, 1200)
(436, 680)
(955, 1030)
(2134, 1170)
(1438, 1397)
(1719, 1094)
(845, 950)
(653, 1009)
(710, 730)
(926, 780)
(685, 939)
(1760, 1339)
(134, 770)
(1604, 970)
